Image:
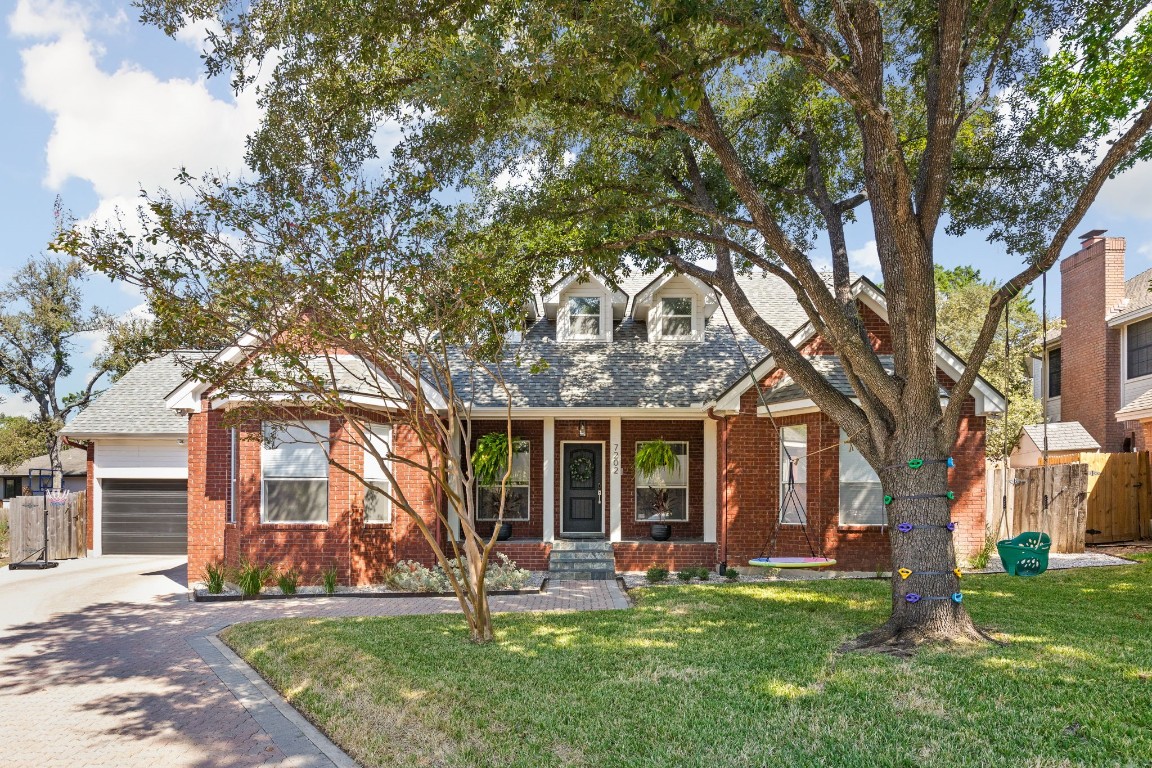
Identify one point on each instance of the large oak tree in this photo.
(725, 136)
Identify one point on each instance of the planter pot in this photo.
(505, 532)
(661, 531)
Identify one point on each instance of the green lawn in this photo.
(737, 675)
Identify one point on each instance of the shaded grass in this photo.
(740, 675)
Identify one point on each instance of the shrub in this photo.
(703, 573)
(288, 580)
(732, 574)
(328, 580)
(251, 578)
(505, 574)
(411, 576)
(656, 574)
(979, 560)
(686, 574)
(213, 576)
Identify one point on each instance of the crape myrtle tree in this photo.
(737, 135)
(349, 302)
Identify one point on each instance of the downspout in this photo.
(723, 480)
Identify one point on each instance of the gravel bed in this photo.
(199, 590)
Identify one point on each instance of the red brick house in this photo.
(648, 358)
(1099, 364)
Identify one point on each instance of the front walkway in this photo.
(105, 662)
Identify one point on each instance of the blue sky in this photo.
(96, 106)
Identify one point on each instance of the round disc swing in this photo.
(790, 500)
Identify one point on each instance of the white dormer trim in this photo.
(557, 306)
(648, 306)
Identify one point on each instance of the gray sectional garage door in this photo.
(144, 517)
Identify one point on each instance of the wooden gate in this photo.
(1067, 489)
(67, 527)
(1119, 497)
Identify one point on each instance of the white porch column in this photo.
(549, 478)
(710, 468)
(614, 531)
(97, 502)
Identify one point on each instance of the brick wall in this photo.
(533, 432)
(692, 432)
(1092, 283)
(359, 551)
(750, 482)
(640, 555)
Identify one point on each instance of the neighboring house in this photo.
(1099, 370)
(1065, 438)
(648, 358)
(137, 463)
(36, 472)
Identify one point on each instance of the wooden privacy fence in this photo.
(67, 528)
(1067, 506)
(1117, 498)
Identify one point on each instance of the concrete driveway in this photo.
(105, 662)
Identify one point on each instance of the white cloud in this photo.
(124, 128)
(1127, 194)
(865, 260)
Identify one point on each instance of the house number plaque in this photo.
(616, 458)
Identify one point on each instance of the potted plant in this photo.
(655, 460)
(489, 465)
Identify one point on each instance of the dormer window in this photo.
(676, 313)
(675, 308)
(584, 317)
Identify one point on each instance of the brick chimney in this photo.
(1092, 285)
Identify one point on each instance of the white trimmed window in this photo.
(377, 503)
(677, 318)
(517, 491)
(794, 459)
(294, 473)
(673, 485)
(584, 317)
(861, 496)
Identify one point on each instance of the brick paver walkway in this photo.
(102, 662)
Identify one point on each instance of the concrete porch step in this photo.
(581, 545)
(582, 575)
(582, 565)
(573, 555)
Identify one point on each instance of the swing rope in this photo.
(790, 495)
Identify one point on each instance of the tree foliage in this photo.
(721, 137)
(352, 301)
(21, 439)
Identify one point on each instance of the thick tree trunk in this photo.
(927, 550)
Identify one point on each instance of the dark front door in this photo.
(583, 488)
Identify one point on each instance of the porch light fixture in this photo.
(583, 429)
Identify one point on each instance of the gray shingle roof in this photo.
(1063, 436)
(630, 371)
(1142, 403)
(73, 460)
(829, 367)
(134, 405)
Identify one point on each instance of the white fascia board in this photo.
(1140, 415)
(588, 414)
(618, 298)
(102, 436)
(792, 408)
(186, 397)
(1126, 318)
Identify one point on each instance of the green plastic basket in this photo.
(1026, 554)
